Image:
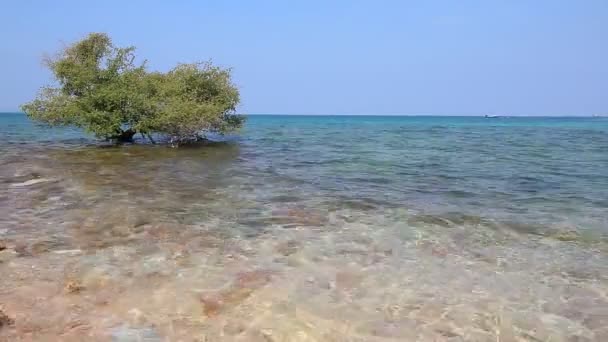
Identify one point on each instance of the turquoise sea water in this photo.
(373, 227)
(537, 171)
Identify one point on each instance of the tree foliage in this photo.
(100, 88)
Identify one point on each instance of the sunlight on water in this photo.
(309, 230)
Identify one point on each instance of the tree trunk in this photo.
(150, 138)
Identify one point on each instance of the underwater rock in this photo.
(268, 335)
(7, 255)
(35, 248)
(244, 284)
(100, 277)
(348, 280)
(212, 304)
(22, 250)
(308, 218)
(298, 216)
(41, 247)
(5, 320)
(253, 279)
(234, 328)
(566, 236)
(287, 248)
(73, 286)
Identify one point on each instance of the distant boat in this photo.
(492, 116)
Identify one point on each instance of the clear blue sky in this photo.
(518, 57)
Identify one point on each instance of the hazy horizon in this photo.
(350, 58)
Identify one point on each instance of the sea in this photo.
(309, 228)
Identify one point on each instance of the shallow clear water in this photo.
(334, 228)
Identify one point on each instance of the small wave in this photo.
(554, 231)
(361, 204)
(374, 180)
(285, 198)
(461, 194)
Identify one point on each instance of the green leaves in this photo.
(101, 89)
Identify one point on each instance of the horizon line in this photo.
(440, 115)
(397, 115)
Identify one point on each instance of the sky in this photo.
(431, 57)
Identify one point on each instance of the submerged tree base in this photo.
(131, 137)
(124, 137)
(194, 140)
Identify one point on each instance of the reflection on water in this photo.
(222, 244)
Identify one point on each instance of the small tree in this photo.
(101, 89)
